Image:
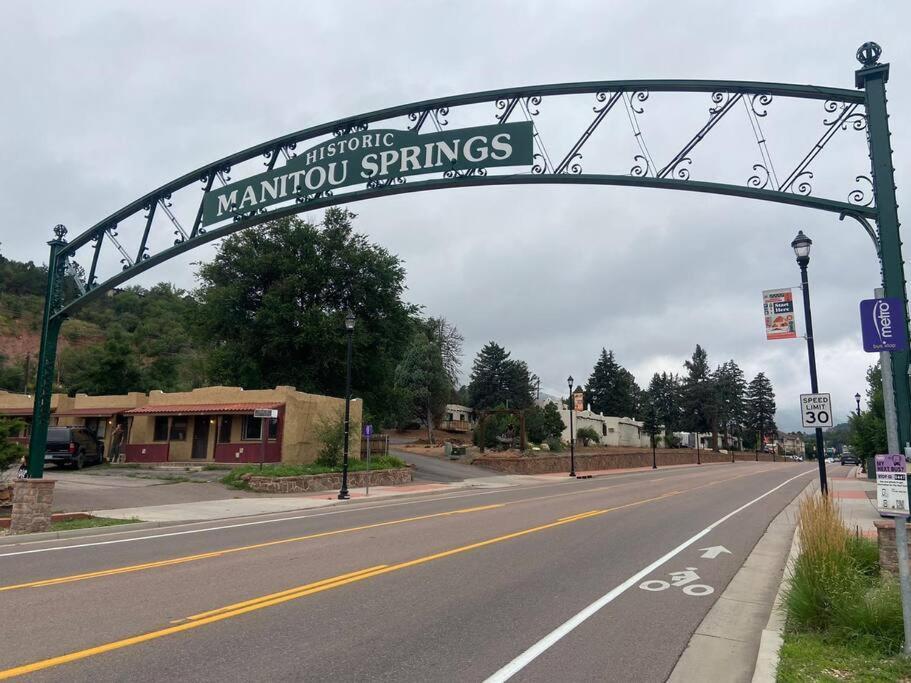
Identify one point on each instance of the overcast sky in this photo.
(107, 100)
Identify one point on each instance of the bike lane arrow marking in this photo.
(714, 551)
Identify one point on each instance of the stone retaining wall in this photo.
(327, 482)
(32, 503)
(888, 553)
(618, 458)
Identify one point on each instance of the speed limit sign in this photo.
(816, 410)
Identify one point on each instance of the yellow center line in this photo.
(273, 599)
(219, 553)
(227, 551)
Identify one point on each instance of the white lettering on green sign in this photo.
(373, 155)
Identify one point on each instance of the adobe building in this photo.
(211, 424)
(217, 424)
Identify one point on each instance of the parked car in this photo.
(849, 459)
(74, 447)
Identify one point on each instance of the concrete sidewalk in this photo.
(856, 497)
(244, 507)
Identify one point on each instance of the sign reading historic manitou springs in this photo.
(779, 314)
(373, 155)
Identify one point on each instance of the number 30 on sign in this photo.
(816, 410)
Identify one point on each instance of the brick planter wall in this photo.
(888, 554)
(617, 458)
(327, 482)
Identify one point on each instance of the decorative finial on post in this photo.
(60, 230)
(868, 54)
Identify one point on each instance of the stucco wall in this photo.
(612, 431)
(299, 421)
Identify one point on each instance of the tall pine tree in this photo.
(760, 408)
(697, 392)
(498, 380)
(728, 401)
(611, 388)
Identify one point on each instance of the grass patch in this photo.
(233, 479)
(89, 523)
(844, 619)
(812, 657)
(216, 466)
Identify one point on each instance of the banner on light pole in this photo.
(778, 305)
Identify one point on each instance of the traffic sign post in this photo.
(816, 412)
(368, 432)
(265, 415)
(892, 501)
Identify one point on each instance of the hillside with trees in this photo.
(268, 310)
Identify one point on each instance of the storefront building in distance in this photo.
(212, 424)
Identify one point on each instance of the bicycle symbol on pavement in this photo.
(681, 579)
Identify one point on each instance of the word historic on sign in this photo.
(373, 155)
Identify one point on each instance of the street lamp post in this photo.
(801, 245)
(349, 328)
(572, 440)
(857, 400)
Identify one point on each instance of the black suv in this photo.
(849, 459)
(73, 446)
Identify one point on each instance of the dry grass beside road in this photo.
(844, 618)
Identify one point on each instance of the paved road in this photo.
(452, 587)
(104, 490)
(429, 468)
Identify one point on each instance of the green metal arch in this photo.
(587, 87)
(840, 208)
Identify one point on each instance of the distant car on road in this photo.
(75, 447)
(849, 459)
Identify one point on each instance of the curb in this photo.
(770, 642)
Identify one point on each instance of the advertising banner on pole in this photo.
(778, 305)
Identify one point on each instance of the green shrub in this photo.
(10, 452)
(555, 444)
(331, 436)
(836, 588)
(587, 434)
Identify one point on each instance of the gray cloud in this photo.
(108, 100)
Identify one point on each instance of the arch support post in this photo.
(47, 356)
(872, 78)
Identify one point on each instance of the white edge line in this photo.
(152, 537)
(532, 653)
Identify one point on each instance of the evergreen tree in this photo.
(553, 423)
(666, 394)
(611, 388)
(760, 408)
(498, 380)
(729, 395)
(868, 430)
(423, 382)
(651, 421)
(698, 392)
